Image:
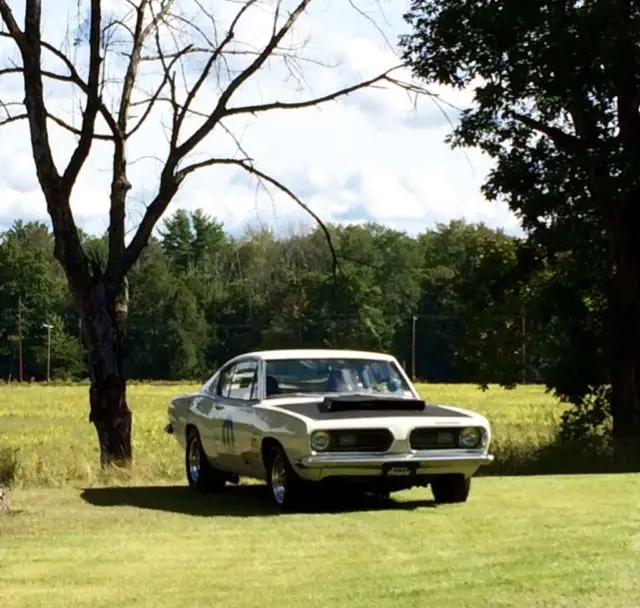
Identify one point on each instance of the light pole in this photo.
(48, 327)
(413, 347)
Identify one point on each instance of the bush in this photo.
(588, 418)
(8, 466)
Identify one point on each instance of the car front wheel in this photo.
(285, 486)
(449, 489)
(200, 473)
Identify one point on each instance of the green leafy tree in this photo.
(467, 328)
(168, 333)
(556, 97)
(32, 289)
(177, 240)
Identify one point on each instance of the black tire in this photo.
(450, 489)
(201, 475)
(286, 488)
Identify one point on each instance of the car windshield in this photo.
(308, 376)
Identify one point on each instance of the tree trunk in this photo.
(625, 310)
(104, 312)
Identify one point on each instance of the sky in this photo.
(376, 155)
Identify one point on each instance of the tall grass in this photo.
(56, 445)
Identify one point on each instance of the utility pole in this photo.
(523, 330)
(20, 364)
(48, 327)
(413, 347)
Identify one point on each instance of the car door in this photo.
(236, 395)
(209, 417)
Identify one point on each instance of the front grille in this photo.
(434, 439)
(360, 440)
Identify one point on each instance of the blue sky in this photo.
(371, 157)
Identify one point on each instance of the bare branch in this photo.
(170, 78)
(14, 29)
(6, 105)
(150, 102)
(119, 182)
(73, 78)
(247, 165)
(207, 68)
(139, 38)
(221, 107)
(291, 54)
(81, 153)
(68, 248)
(297, 105)
(364, 15)
(75, 131)
(564, 141)
(155, 209)
(169, 180)
(13, 118)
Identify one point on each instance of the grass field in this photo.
(76, 538)
(57, 445)
(528, 541)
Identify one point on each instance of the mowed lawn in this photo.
(57, 445)
(75, 538)
(519, 541)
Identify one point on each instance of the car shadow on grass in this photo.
(236, 501)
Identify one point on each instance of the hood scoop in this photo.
(359, 403)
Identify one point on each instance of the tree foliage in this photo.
(556, 92)
(257, 290)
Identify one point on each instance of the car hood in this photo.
(371, 410)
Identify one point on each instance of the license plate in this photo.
(399, 470)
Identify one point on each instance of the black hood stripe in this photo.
(370, 409)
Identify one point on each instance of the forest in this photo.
(443, 302)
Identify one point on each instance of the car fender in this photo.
(290, 430)
(178, 414)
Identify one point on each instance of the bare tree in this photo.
(157, 41)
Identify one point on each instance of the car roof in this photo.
(318, 353)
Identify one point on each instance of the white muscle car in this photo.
(302, 418)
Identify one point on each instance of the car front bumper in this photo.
(414, 464)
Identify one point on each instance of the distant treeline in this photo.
(453, 295)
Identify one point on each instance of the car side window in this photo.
(239, 381)
(210, 386)
(223, 384)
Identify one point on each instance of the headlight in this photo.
(470, 438)
(320, 441)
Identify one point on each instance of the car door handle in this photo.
(219, 407)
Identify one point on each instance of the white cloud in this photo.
(370, 157)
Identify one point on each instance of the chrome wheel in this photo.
(278, 479)
(194, 460)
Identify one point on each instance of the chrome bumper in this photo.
(371, 460)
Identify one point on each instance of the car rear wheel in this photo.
(285, 486)
(201, 475)
(449, 489)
